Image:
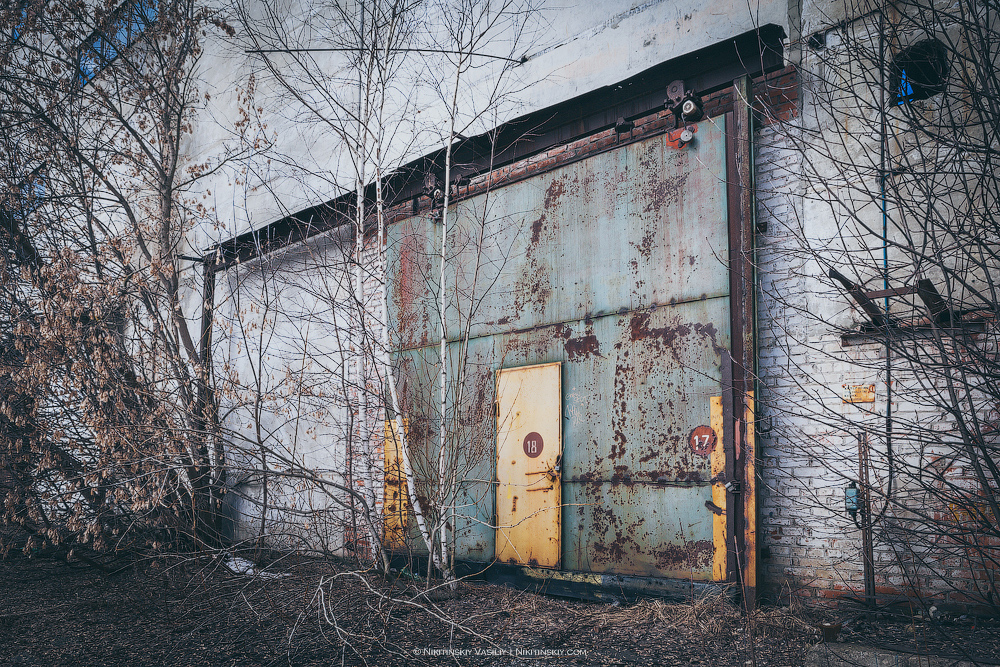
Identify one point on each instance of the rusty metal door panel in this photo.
(475, 536)
(417, 380)
(473, 446)
(638, 226)
(615, 267)
(640, 388)
(638, 529)
(636, 384)
(641, 225)
(412, 279)
(529, 454)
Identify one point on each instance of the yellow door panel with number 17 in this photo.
(529, 458)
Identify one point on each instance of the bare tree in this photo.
(893, 246)
(385, 67)
(470, 27)
(340, 64)
(109, 430)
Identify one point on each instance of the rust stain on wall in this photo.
(666, 192)
(581, 347)
(691, 555)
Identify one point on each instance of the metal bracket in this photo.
(622, 126)
(938, 307)
(433, 188)
(685, 104)
(874, 313)
(940, 313)
(680, 137)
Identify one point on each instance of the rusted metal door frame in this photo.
(739, 369)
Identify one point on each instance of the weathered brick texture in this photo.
(809, 439)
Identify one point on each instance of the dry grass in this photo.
(197, 612)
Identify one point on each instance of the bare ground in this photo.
(197, 612)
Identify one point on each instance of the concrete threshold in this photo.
(858, 655)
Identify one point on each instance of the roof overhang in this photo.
(704, 71)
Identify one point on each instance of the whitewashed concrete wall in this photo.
(571, 48)
(287, 356)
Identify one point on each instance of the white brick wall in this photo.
(811, 452)
(811, 544)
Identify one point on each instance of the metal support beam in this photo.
(874, 313)
(938, 307)
(743, 312)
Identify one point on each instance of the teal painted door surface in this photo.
(615, 266)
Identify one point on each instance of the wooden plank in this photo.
(739, 159)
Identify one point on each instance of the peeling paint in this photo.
(608, 265)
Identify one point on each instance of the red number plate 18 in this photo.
(532, 445)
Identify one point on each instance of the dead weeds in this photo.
(197, 612)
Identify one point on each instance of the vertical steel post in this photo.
(868, 552)
(739, 160)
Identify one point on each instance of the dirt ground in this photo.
(198, 612)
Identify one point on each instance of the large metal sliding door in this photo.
(617, 267)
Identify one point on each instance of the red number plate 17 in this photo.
(702, 440)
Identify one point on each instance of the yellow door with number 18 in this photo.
(529, 457)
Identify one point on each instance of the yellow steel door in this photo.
(396, 504)
(529, 454)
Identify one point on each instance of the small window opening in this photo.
(919, 71)
(128, 22)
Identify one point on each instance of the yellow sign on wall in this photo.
(859, 393)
